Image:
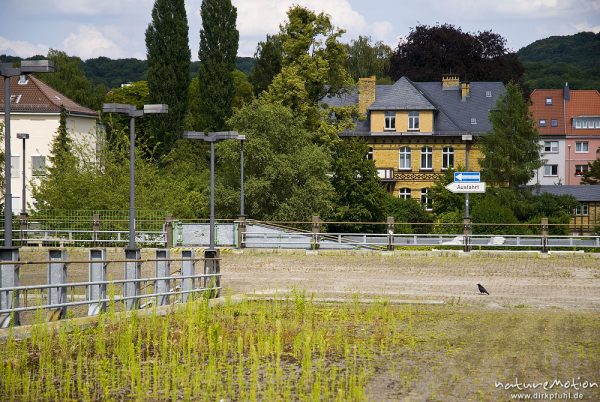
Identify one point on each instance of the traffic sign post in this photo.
(467, 183)
(466, 187)
(467, 177)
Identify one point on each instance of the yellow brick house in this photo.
(417, 130)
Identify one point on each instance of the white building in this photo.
(35, 110)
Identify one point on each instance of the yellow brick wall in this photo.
(425, 121)
(388, 155)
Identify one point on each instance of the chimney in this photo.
(465, 91)
(566, 92)
(450, 82)
(366, 93)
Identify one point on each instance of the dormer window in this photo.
(488, 94)
(413, 121)
(390, 121)
(473, 120)
(23, 79)
(549, 101)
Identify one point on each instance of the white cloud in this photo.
(84, 7)
(21, 48)
(90, 42)
(587, 27)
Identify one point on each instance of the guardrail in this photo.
(173, 280)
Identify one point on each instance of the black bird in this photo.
(482, 289)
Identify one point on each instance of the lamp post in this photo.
(132, 112)
(24, 137)
(7, 71)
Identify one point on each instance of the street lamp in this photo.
(23, 136)
(7, 71)
(132, 112)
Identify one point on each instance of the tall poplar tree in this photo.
(511, 150)
(169, 56)
(219, 39)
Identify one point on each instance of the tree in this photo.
(218, 48)
(592, 176)
(268, 57)
(366, 59)
(169, 57)
(70, 80)
(431, 51)
(359, 194)
(511, 150)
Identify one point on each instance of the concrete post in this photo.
(242, 232)
(188, 267)
(97, 273)
(544, 235)
(95, 229)
(212, 266)
(169, 232)
(390, 232)
(163, 269)
(467, 232)
(316, 228)
(9, 277)
(133, 270)
(57, 275)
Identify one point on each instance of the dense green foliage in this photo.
(431, 51)
(268, 57)
(592, 176)
(551, 62)
(168, 56)
(511, 150)
(366, 59)
(218, 49)
(113, 73)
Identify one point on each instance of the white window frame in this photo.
(405, 193)
(447, 158)
(542, 122)
(554, 123)
(426, 158)
(550, 167)
(473, 120)
(549, 100)
(583, 169)
(426, 199)
(413, 121)
(404, 158)
(15, 166)
(548, 147)
(582, 209)
(488, 94)
(370, 154)
(38, 172)
(577, 123)
(580, 145)
(389, 123)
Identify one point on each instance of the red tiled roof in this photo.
(37, 97)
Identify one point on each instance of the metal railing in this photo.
(140, 282)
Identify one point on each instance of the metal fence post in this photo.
(212, 266)
(133, 271)
(316, 228)
(467, 231)
(23, 228)
(390, 232)
(188, 267)
(544, 235)
(242, 232)
(97, 273)
(163, 269)
(57, 275)
(9, 277)
(95, 228)
(169, 231)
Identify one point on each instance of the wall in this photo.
(425, 121)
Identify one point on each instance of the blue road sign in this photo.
(467, 177)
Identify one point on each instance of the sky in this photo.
(116, 28)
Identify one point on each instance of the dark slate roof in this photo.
(402, 95)
(454, 114)
(583, 193)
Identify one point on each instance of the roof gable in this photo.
(35, 96)
(402, 95)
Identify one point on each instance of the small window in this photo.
(370, 154)
(427, 158)
(550, 170)
(425, 199)
(447, 158)
(390, 121)
(549, 101)
(488, 94)
(15, 166)
(582, 209)
(582, 147)
(542, 123)
(38, 165)
(16, 204)
(404, 161)
(580, 170)
(23, 79)
(551, 146)
(405, 193)
(577, 123)
(554, 123)
(413, 121)
(473, 120)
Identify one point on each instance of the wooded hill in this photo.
(551, 62)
